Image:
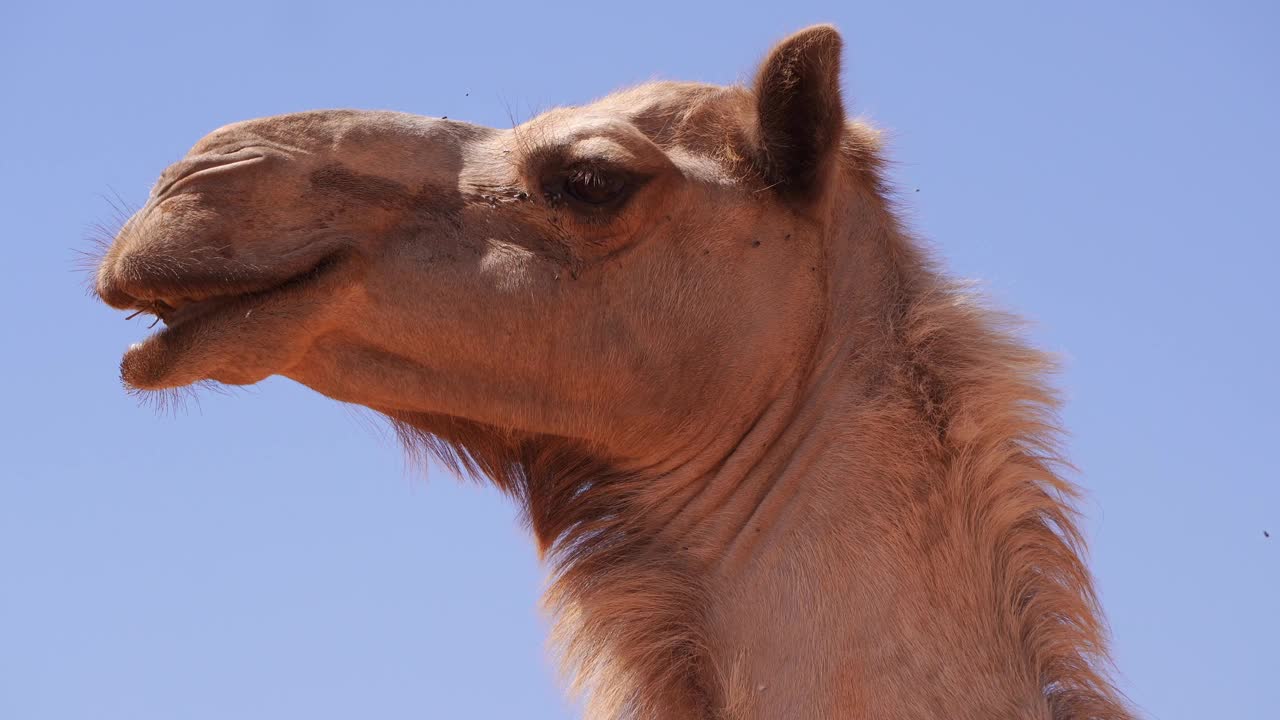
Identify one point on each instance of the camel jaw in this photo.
(237, 338)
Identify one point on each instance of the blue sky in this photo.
(1107, 169)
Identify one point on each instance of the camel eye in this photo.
(594, 186)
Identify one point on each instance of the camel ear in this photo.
(800, 114)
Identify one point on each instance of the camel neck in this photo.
(837, 576)
(837, 562)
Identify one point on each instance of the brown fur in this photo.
(780, 465)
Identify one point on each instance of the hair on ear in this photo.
(800, 113)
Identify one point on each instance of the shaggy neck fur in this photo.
(892, 525)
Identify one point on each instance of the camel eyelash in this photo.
(595, 191)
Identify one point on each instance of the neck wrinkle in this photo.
(777, 486)
(730, 497)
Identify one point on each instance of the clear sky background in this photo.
(1108, 169)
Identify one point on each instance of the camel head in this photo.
(599, 272)
(782, 466)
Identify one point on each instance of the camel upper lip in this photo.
(176, 310)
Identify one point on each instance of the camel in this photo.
(779, 465)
